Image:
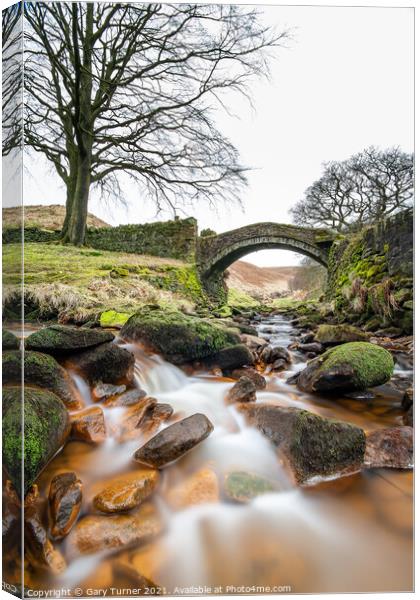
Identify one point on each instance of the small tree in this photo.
(369, 186)
(131, 88)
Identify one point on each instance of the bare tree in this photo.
(388, 179)
(132, 88)
(12, 78)
(370, 185)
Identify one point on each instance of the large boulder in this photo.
(178, 337)
(62, 339)
(349, 367)
(391, 447)
(174, 441)
(9, 341)
(331, 335)
(313, 446)
(107, 363)
(40, 370)
(46, 423)
(232, 357)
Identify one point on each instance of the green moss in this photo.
(242, 486)
(40, 370)
(9, 340)
(371, 364)
(46, 427)
(359, 280)
(179, 337)
(223, 312)
(74, 285)
(403, 295)
(239, 299)
(323, 447)
(61, 339)
(112, 318)
(119, 272)
(338, 334)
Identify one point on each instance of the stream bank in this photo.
(228, 512)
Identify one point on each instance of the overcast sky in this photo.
(344, 82)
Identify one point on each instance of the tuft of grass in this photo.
(75, 284)
(240, 299)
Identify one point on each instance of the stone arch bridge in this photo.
(215, 253)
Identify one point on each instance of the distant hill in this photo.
(260, 281)
(50, 216)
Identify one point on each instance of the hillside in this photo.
(260, 281)
(47, 217)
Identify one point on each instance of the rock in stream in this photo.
(174, 441)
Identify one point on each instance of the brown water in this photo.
(352, 534)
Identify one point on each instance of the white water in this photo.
(325, 539)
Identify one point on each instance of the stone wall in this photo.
(171, 239)
(370, 274)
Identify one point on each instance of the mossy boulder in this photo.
(46, 426)
(9, 340)
(241, 486)
(112, 318)
(331, 335)
(179, 338)
(61, 339)
(232, 357)
(107, 363)
(349, 367)
(313, 446)
(40, 370)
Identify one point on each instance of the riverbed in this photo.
(353, 534)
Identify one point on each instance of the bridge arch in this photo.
(217, 252)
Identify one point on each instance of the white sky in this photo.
(344, 82)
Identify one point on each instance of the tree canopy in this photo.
(368, 186)
(133, 88)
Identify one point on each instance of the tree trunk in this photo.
(77, 222)
(71, 187)
(69, 207)
(83, 123)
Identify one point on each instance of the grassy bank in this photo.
(76, 284)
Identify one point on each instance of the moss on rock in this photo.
(178, 337)
(107, 363)
(61, 339)
(46, 426)
(242, 486)
(112, 318)
(40, 370)
(351, 366)
(314, 446)
(9, 341)
(338, 334)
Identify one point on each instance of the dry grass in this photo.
(76, 283)
(46, 217)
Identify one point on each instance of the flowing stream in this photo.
(352, 534)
